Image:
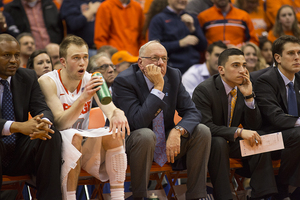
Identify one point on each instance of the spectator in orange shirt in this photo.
(255, 8)
(272, 7)
(27, 47)
(224, 22)
(119, 23)
(285, 24)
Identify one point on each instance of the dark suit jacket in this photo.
(211, 99)
(132, 95)
(272, 100)
(254, 75)
(27, 97)
(51, 18)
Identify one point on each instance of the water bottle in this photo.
(104, 93)
(153, 197)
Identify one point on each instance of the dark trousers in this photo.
(289, 171)
(260, 169)
(140, 147)
(39, 158)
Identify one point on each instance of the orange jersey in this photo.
(235, 28)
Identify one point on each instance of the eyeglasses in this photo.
(104, 67)
(156, 58)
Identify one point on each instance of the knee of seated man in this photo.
(219, 143)
(144, 137)
(202, 132)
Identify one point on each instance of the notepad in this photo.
(270, 142)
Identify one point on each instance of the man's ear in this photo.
(277, 57)
(63, 61)
(221, 70)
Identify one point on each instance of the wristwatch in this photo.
(182, 131)
(250, 96)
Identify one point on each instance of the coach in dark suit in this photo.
(34, 151)
(223, 112)
(279, 101)
(145, 91)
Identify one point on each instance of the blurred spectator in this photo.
(40, 62)
(39, 17)
(255, 8)
(195, 6)
(119, 24)
(27, 47)
(253, 57)
(7, 24)
(80, 19)
(156, 7)
(110, 50)
(265, 46)
(53, 51)
(224, 22)
(102, 63)
(147, 5)
(57, 65)
(180, 33)
(272, 7)
(122, 60)
(285, 24)
(200, 72)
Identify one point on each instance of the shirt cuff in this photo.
(251, 104)
(158, 93)
(6, 128)
(297, 122)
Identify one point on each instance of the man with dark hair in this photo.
(226, 101)
(200, 72)
(69, 93)
(278, 98)
(26, 145)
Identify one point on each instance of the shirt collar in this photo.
(173, 11)
(227, 87)
(149, 83)
(8, 79)
(285, 79)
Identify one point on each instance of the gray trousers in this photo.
(140, 147)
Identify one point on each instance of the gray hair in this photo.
(93, 60)
(142, 49)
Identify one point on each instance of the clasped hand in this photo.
(37, 128)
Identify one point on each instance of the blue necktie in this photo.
(292, 100)
(160, 156)
(8, 114)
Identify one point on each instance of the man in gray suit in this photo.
(149, 93)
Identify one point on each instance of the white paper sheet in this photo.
(270, 142)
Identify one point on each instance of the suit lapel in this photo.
(142, 84)
(297, 90)
(223, 97)
(282, 88)
(19, 91)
